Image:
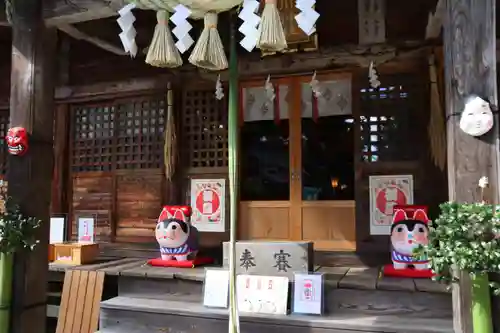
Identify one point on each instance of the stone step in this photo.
(135, 315)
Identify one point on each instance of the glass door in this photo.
(326, 164)
(297, 164)
(265, 161)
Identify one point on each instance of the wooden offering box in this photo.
(75, 253)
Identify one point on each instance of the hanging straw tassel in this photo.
(437, 122)
(162, 51)
(170, 147)
(209, 52)
(271, 36)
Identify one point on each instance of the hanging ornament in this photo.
(269, 89)
(250, 22)
(315, 94)
(162, 51)
(373, 76)
(271, 35)
(306, 19)
(209, 52)
(219, 90)
(315, 86)
(126, 23)
(477, 117)
(181, 31)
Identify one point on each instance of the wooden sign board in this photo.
(262, 294)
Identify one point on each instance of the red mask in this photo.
(17, 141)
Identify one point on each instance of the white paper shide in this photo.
(306, 19)
(250, 23)
(126, 22)
(182, 28)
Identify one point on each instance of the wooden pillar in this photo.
(470, 68)
(30, 176)
(59, 204)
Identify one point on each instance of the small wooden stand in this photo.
(75, 253)
(52, 255)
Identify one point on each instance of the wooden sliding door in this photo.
(297, 173)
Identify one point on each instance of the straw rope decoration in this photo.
(437, 123)
(170, 147)
(271, 36)
(209, 52)
(162, 51)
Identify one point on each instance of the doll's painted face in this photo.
(477, 117)
(172, 233)
(408, 235)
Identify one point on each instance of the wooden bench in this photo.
(80, 301)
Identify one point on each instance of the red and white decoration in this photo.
(326, 98)
(409, 231)
(208, 204)
(386, 192)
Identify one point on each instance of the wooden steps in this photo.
(132, 315)
(356, 300)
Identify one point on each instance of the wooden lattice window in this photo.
(118, 134)
(391, 122)
(140, 134)
(93, 133)
(4, 127)
(204, 129)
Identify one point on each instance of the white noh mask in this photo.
(477, 117)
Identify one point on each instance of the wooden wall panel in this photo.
(400, 149)
(93, 194)
(138, 205)
(267, 220)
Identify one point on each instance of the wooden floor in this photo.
(362, 278)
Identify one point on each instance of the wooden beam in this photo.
(30, 176)
(77, 34)
(57, 12)
(69, 94)
(470, 68)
